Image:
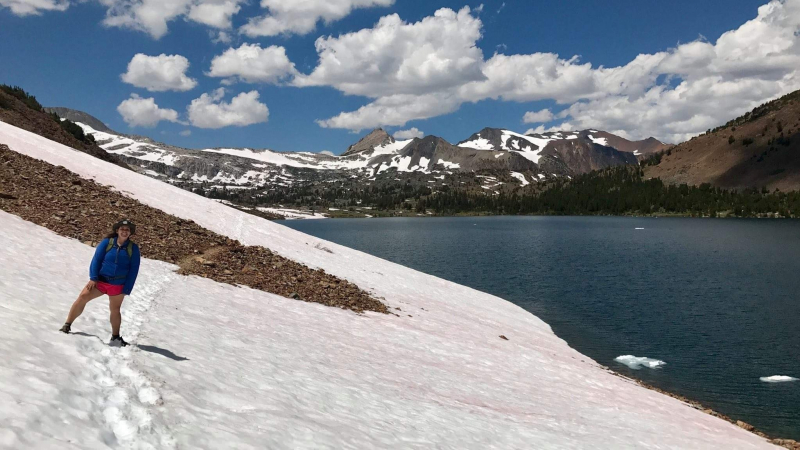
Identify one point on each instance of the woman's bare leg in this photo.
(85, 297)
(114, 305)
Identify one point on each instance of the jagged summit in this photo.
(375, 138)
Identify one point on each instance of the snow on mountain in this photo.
(505, 140)
(220, 366)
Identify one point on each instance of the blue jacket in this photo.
(115, 266)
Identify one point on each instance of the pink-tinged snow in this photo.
(220, 366)
(521, 178)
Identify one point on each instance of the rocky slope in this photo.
(71, 206)
(759, 149)
(15, 112)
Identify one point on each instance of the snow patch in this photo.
(521, 178)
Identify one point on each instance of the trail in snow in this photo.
(91, 386)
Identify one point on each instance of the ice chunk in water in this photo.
(777, 379)
(637, 362)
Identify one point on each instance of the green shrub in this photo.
(18, 92)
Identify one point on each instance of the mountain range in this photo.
(526, 158)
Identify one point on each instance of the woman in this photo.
(112, 272)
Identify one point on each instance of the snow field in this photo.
(59, 389)
(268, 372)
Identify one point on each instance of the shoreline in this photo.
(385, 214)
(781, 442)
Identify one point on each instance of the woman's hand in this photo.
(90, 285)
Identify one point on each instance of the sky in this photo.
(317, 75)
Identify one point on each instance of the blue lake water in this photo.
(717, 300)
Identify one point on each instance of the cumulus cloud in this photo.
(210, 111)
(214, 14)
(673, 94)
(410, 133)
(538, 116)
(34, 7)
(253, 64)
(159, 73)
(143, 112)
(394, 110)
(153, 16)
(301, 17)
(396, 57)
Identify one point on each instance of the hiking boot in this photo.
(65, 328)
(117, 341)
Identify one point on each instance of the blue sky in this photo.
(688, 82)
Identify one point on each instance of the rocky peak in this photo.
(375, 138)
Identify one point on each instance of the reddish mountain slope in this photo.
(761, 148)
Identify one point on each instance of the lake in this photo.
(717, 300)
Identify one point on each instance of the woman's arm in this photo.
(133, 272)
(97, 260)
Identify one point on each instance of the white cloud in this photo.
(394, 110)
(301, 16)
(153, 16)
(396, 57)
(408, 134)
(159, 73)
(327, 152)
(538, 116)
(253, 64)
(143, 112)
(671, 95)
(186, 133)
(214, 14)
(34, 7)
(209, 111)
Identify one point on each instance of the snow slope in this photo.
(220, 366)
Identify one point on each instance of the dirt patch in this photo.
(71, 206)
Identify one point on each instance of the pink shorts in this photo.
(110, 289)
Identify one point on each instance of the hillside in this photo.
(217, 365)
(23, 110)
(759, 149)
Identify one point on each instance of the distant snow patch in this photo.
(777, 379)
(521, 178)
(639, 228)
(599, 141)
(637, 362)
